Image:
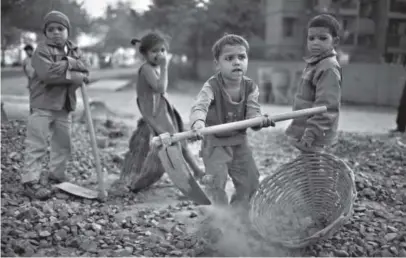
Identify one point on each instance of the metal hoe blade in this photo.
(77, 190)
(179, 173)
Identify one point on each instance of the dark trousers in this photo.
(401, 118)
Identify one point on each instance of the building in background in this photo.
(374, 30)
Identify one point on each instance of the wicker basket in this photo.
(304, 201)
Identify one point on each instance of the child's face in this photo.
(319, 39)
(29, 52)
(57, 33)
(155, 53)
(233, 62)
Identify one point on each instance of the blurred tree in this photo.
(28, 15)
(195, 25)
(120, 24)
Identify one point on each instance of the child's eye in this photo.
(229, 58)
(59, 28)
(242, 57)
(323, 38)
(311, 38)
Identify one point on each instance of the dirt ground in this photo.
(160, 221)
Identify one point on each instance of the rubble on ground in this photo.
(69, 226)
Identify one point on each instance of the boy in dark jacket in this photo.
(58, 73)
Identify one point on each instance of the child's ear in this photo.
(216, 64)
(336, 41)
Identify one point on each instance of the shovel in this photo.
(176, 166)
(79, 190)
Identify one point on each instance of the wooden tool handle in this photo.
(244, 124)
(100, 178)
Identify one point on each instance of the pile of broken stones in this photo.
(68, 226)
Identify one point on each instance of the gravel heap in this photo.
(68, 226)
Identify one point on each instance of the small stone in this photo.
(61, 196)
(326, 254)
(44, 233)
(148, 253)
(96, 227)
(53, 219)
(62, 233)
(74, 243)
(193, 214)
(381, 214)
(394, 250)
(31, 234)
(341, 253)
(392, 229)
(129, 250)
(44, 243)
(102, 142)
(391, 236)
(386, 253)
(121, 252)
(89, 246)
(90, 233)
(369, 193)
(359, 208)
(180, 245)
(176, 253)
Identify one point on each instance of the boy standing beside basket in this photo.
(320, 86)
(226, 97)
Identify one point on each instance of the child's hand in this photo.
(305, 144)
(162, 60)
(86, 79)
(196, 127)
(207, 180)
(268, 122)
(166, 139)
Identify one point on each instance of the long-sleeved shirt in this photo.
(215, 105)
(28, 69)
(57, 76)
(206, 96)
(320, 86)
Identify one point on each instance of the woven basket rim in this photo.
(344, 216)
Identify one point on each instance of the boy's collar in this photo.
(68, 43)
(221, 79)
(312, 59)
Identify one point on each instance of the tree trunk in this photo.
(196, 54)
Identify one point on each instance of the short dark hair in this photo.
(228, 39)
(326, 21)
(149, 41)
(28, 47)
